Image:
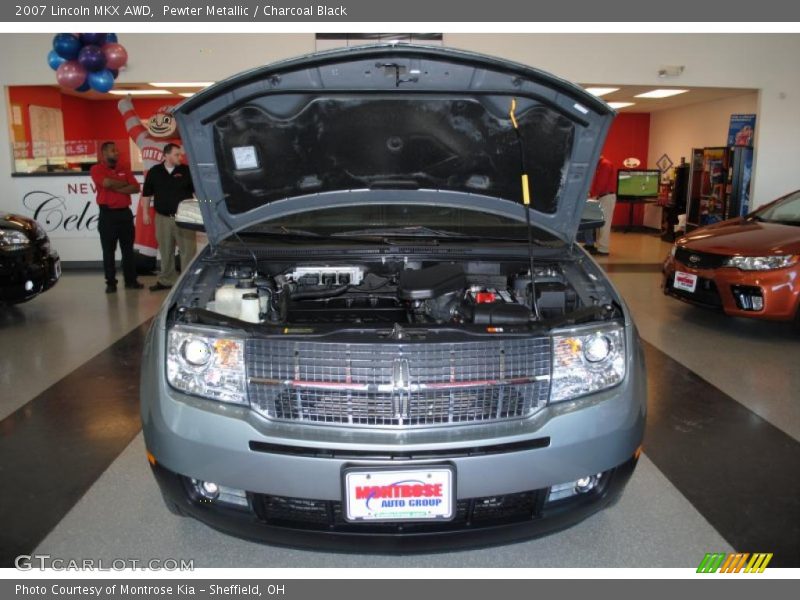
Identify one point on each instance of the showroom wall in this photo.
(628, 137)
(676, 131)
(84, 119)
(767, 62)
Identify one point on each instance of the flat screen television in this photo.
(638, 183)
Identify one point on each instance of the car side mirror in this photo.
(188, 215)
(592, 216)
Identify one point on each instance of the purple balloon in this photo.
(93, 39)
(71, 75)
(92, 58)
(101, 81)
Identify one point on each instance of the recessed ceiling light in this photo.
(141, 92)
(661, 93)
(601, 91)
(186, 94)
(620, 104)
(183, 84)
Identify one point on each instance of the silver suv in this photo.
(392, 341)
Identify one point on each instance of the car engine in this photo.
(405, 292)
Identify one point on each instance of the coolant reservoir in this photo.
(250, 308)
(226, 300)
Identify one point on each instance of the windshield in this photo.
(785, 210)
(403, 220)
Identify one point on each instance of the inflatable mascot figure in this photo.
(160, 130)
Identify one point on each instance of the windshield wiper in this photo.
(411, 231)
(283, 231)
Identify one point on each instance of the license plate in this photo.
(378, 494)
(685, 281)
(57, 269)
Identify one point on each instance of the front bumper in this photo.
(780, 290)
(318, 525)
(27, 273)
(234, 447)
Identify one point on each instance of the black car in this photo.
(28, 265)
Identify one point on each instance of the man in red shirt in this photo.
(115, 184)
(603, 189)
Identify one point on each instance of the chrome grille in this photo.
(398, 385)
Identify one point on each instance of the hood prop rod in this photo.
(526, 200)
(238, 239)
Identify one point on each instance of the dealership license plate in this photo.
(376, 494)
(685, 281)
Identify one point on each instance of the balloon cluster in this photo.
(87, 61)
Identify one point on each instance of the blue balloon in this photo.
(111, 38)
(101, 81)
(97, 39)
(66, 46)
(54, 60)
(85, 87)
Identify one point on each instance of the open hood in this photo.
(392, 124)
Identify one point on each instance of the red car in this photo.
(748, 267)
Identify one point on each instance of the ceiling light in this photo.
(601, 91)
(183, 84)
(661, 93)
(141, 92)
(620, 104)
(186, 94)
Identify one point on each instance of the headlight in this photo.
(11, 239)
(760, 263)
(207, 363)
(587, 361)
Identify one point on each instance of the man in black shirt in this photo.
(166, 185)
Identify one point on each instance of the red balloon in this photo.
(71, 75)
(116, 56)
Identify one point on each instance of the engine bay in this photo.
(387, 292)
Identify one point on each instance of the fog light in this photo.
(748, 297)
(206, 489)
(562, 491)
(28, 285)
(587, 484)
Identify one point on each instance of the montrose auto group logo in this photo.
(408, 493)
